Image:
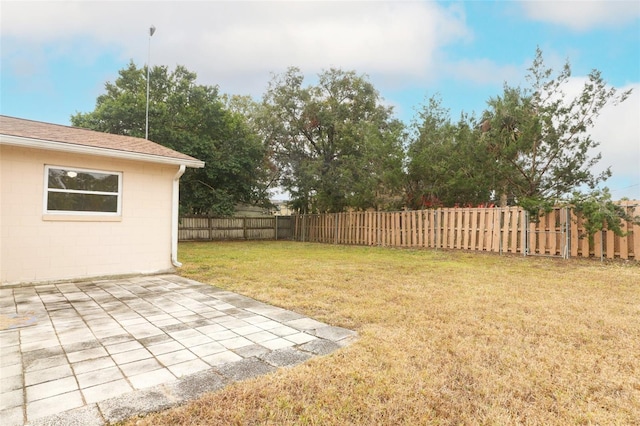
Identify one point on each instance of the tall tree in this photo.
(335, 145)
(540, 138)
(446, 165)
(255, 118)
(190, 118)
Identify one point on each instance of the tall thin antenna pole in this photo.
(152, 30)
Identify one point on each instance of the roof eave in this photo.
(91, 150)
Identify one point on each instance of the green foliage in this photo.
(600, 212)
(446, 166)
(538, 136)
(531, 148)
(192, 119)
(334, 145)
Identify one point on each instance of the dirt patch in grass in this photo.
(446, 338)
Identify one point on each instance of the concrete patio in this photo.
(99, 352)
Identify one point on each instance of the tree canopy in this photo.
(531, 147)
(446, 164)
(539, 137)
(334, 144)
(190, 118)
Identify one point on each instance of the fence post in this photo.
(275, 226)
(525, 234)
(244, 228)
(567, 244)
(435, 228)
(501, 230)
(602, 237)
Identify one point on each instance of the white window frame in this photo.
(47, 190)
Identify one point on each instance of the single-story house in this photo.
(76, 203)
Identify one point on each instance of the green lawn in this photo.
(446, 338)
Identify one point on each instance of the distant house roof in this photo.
(36, 134)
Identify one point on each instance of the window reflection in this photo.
(82, 191)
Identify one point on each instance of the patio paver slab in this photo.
(101, 351)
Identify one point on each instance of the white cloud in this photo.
(400, 44)
(583, 15)
(617, 129)
(485, 71)
(239, 42)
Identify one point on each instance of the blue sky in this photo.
(56, 56)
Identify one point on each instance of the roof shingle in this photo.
(30, 129)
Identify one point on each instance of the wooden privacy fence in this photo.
(191, 228)
(501, 230)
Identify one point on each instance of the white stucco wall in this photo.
(34, 248)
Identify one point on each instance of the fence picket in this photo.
(495, 230)
(486, 230)
(481, 228)
(610, 244)
(533, 238)
(524, 233)
(584, 243)
(503, 230)
(474, 229)
(623, 249)
(551, 232)
(198, 228)
(515, 219)
(458, 213)
(634, 236)
(444, 228)
(597, 245)
(404, 226)
(576, 232)
(417, 222)
(452, 228)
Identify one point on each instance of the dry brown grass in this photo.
(446, 338)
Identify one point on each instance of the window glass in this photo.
(86, 181)
(80, 191)
(61, 201)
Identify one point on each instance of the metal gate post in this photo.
(502, 214)
(378, 228)
(435, 228)
(525, 250)
(567, 234)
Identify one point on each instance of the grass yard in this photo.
(446, 338)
